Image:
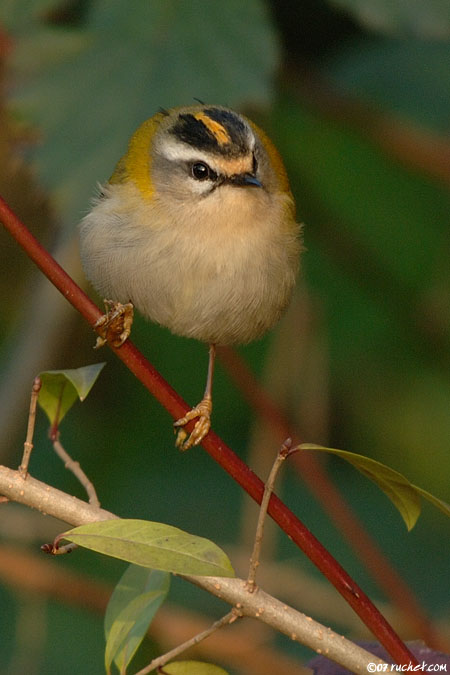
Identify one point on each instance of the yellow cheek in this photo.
(135, 165)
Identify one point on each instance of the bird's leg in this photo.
(115, 325)
(201, 412)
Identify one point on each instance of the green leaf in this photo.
(61, 388)
(129, 629)
(193, 668)
(154, 545)
(423, 18)
(404, 495)
(132, 606)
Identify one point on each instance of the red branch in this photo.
(216, 448)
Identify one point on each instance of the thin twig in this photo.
(28, 445)
(75, 468)
(168, 656)
(77, 471)
(268, 489)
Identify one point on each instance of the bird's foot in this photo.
(201, 412)
(115, 325)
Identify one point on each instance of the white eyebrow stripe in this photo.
(176, 151)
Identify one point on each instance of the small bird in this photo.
(196, 229)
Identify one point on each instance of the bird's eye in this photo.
(201, 171)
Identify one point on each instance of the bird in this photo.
(197, 230)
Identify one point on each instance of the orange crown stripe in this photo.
(218, 131)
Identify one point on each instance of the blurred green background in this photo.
(356, 94)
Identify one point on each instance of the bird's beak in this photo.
(244, 179)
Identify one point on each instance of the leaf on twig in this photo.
(404, 495)
(155, 545)
(61, 388)
(132, 606)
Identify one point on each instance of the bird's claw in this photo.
(201, 412)
(115, 325)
